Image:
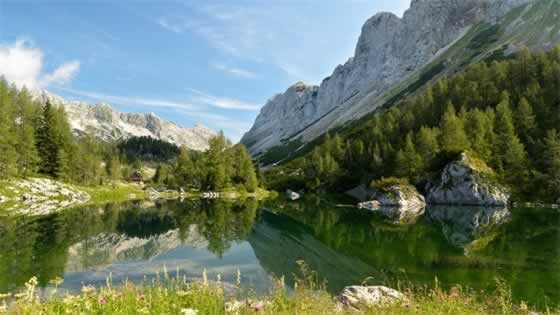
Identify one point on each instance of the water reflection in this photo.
(345, 246)
(470, 227)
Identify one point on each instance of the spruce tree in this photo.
(453, 136)
(8, 155)
(551, 161)
(524, 118)
(510, 152)
(27, 156)
(46, 142)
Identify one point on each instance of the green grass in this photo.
(175, 295)
(112, 192)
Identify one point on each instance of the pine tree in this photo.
(453, 136)
(46, 142)
(8, 155)
(409, 163)
(510, 152)
(524, 118)
(427, 144)
(551, 160)
(479, 129)
(27, 156)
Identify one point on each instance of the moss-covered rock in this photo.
(468, 181)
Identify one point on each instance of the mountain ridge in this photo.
(390, 55)
(110, 124)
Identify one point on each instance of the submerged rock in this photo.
(470, 182)
(358, 297)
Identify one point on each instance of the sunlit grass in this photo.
(167, 294)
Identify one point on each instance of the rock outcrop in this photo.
(392, 53)
(398, 203)
(468, 181)
(41, 196)
(362, 297)
(111, 125)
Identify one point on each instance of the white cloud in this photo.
(224, 103)
(125, 100)
(62, 74)
(21, 64)
(238, 72)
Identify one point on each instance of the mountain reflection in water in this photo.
(466, 246)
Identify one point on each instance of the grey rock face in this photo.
(464, 182)
(389, 50)
(400, 204)
(360, 297)
(110, 124)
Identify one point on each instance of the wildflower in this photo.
(188, 311)
(88, 289)
(56, 281)
(257, 306)
(102, 300)
(142, 297)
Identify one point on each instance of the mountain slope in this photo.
(396, 56)
(112, 125)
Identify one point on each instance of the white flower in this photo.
(189, 311)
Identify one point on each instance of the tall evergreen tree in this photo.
(46, 142)
(453, 136)
(27, 157)
(510, 152)
(8, 155)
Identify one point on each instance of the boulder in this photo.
(369, 205)
(358, 297)
(292, 195)
(398, 203)
(469, 182)
(405, 196)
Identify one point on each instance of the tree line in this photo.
(506, 113)
(37, 139)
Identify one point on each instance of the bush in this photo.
(385, 183)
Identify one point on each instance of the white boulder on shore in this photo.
(468, 182)
(399, 203)
(358, 297)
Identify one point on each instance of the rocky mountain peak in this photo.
(112, 125)
(390, 50)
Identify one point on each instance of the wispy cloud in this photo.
(125, 100)
(224, 103)
(170, 26)
(22, 64)
(62, 74)
(238, 72)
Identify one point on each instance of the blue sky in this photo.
(209, 62)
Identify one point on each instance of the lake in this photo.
(471, 247)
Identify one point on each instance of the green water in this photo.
(466, 246)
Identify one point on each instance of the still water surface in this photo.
(466, 246)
